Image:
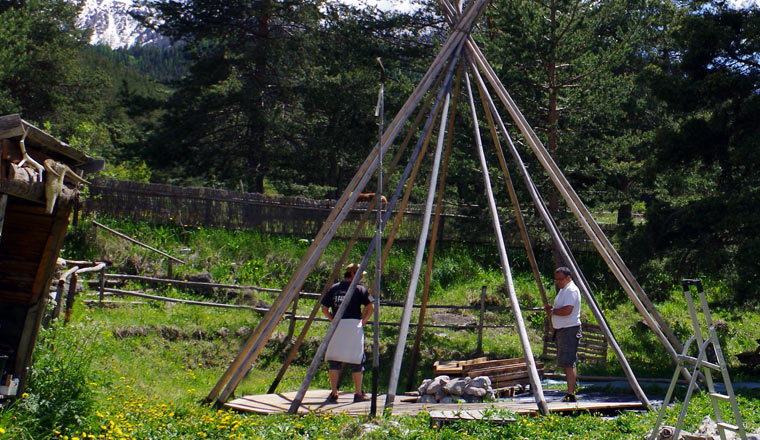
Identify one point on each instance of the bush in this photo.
(61, 381)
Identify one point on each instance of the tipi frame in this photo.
(458, 62)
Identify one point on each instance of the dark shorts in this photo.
(355, 368)
(567, 340)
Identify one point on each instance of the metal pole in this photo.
(434, 236)
(378, 246)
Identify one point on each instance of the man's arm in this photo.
(563, 311)
(326, 312)
(368, 309)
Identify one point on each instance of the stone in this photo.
(423, 387)
(426, 398)
(455, 387)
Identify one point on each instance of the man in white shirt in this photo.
(566, 320)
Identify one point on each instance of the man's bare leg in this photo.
(570, 373)
(334, 377)
(357, 377)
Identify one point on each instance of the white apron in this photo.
(347, 343)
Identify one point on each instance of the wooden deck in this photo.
(314, 401)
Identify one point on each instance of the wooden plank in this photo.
(492, 363)
(314, 402)
(501, 369)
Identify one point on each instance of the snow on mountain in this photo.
(112, 25)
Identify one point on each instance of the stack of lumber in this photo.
(592, 347)
(507, 375)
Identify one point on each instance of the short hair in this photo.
(564, 271)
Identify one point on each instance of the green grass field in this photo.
(143, 371)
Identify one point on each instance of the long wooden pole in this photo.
(339, 314)
(602, 244)
(535, 381)
(556, 236)
(248, 354)
(521, 226)
(407, 313)
(433, 237)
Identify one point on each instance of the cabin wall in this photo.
(29, 247)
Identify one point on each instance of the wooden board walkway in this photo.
(314, 401)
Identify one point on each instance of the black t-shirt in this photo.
(337, 292)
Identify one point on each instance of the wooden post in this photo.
(480, 321)
(102, 286)
(71, 296)
(3, 205)
(169, 268)
(292, 326)
(58, 299)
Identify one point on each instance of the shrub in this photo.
(61, 381)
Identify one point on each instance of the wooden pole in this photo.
(339, 314)
(130, 239)
(513, 198)
(480, 321)
(433, 238)
(407, 313)
(102, 283)
(605, 249)
(250, 351)
(292, 326)
(556, 236)
(71, 296)
(535, 381)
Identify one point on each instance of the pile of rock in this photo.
(444, 389)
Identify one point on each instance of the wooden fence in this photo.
(299, 216)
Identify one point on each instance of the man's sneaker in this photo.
(332, 398)
(569, 398)
(363, 397)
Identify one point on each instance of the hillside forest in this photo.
(649, 106)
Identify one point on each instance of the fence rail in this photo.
(299, 216)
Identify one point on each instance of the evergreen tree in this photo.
(572, 68)
(281, 90)
(703, 215)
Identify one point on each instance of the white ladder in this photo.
(700, 364)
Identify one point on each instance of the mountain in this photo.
(112, 25)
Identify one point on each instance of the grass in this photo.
(142, 372)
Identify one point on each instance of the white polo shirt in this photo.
(568, 296)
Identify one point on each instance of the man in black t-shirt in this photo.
(330, 304)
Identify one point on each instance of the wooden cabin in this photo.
(36, 199)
